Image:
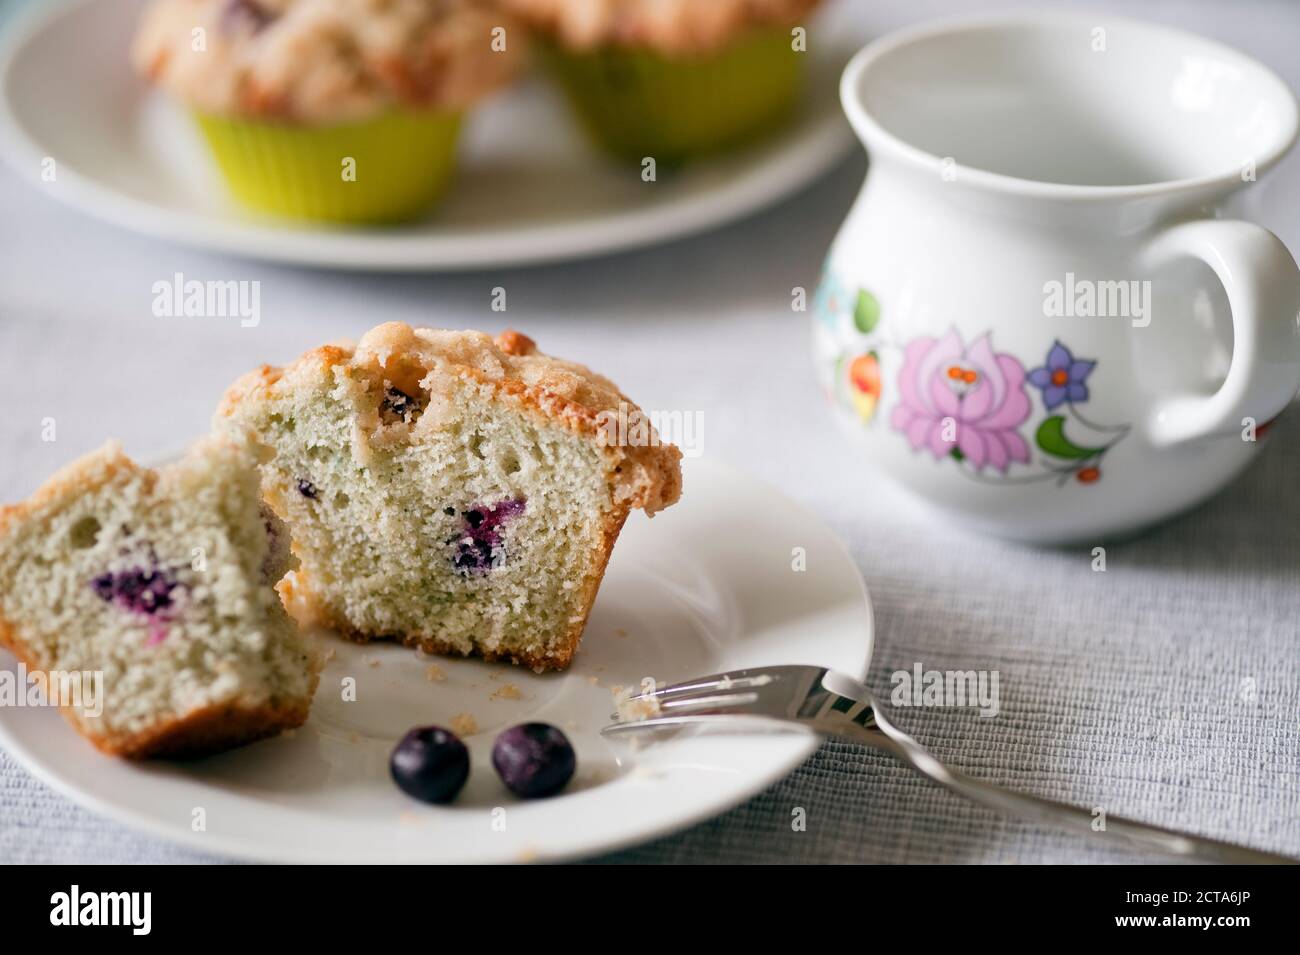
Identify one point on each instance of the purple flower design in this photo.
(1062, 378)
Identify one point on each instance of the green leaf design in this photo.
(1051, 438)
(867, 312)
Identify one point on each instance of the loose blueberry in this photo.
(306, 488)
(430, 764)
(140, 589)
(534, 760)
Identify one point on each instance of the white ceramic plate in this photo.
(530, 190)
(708, 585)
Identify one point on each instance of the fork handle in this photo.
(1009, 802)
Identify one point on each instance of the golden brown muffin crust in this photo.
(667, 26)
(645, 475)
(326, 61)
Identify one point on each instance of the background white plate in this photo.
(707, 586)
(530, 189)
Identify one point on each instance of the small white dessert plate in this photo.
(711, 584)
(529, 190)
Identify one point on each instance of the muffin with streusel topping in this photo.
(457, 492)
(329, 110)
(673, 79)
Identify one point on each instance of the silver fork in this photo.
(833, 704)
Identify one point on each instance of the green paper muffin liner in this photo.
(403, 162)
(636, 103)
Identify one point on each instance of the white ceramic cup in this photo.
(1035, 315)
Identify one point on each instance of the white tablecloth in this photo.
(1122, 690)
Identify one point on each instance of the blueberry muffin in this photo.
(672, 79)
(455, 492)
(330, 110)
(163, 581)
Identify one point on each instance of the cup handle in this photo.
(1263, 288)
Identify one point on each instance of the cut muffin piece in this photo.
(453, 492)
(163, 581)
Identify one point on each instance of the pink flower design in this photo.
(983, 393)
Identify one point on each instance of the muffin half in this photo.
(456, 493)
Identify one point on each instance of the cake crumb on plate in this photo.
(464, 724)
(632, 706)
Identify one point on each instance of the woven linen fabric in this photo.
(1166, 688)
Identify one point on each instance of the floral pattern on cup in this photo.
(836, 306)
(857, 379)
(864, 385)
(830, 301)
(1062, 381)
(968, 403)
(963, 401)
(1062, 378)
